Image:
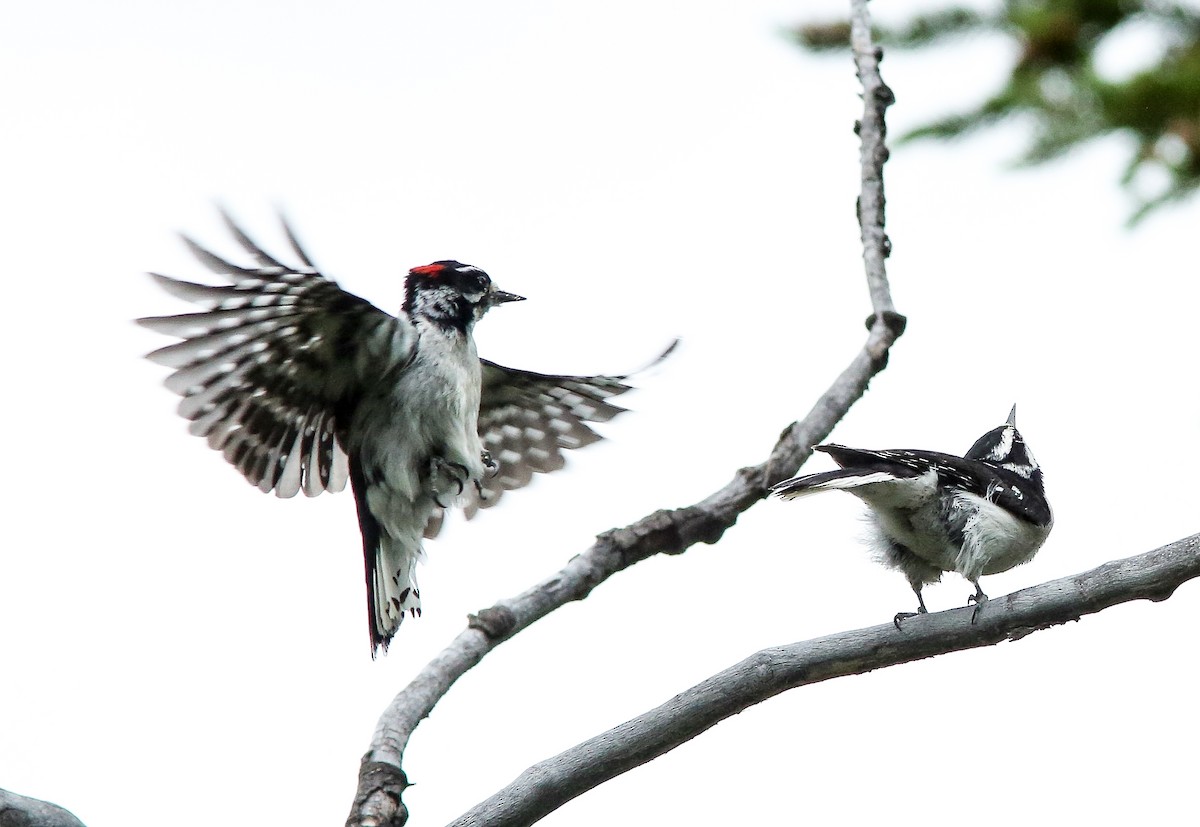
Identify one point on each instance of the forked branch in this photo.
(378, 801)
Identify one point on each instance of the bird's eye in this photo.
(474, 280)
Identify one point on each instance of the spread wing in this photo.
(267, 368)
(527, 420)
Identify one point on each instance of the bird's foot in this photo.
(979, 598)
(440, 468)
(903, 616)
(489, 464)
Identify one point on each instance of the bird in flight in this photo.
(303, 386)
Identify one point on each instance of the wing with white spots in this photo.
(266, 367)
(527, 420)
(992, 482)
(953, 471)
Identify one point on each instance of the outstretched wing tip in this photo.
(670, 349)
(653, 363)
(247, 243)
(293, 239)
(211, 261)
(529, 420)
(242, 385)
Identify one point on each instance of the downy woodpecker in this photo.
(982, 513)
(302, 385)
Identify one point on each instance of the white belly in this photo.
(430, 412)
(993, 539)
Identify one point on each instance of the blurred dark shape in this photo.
(1053, 83)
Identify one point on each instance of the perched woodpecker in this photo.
(979, 514)
(302, 386)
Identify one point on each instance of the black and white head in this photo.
(452, 294)
(1004, 447)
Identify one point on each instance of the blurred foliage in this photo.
(1054, 83)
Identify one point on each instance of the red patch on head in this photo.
(428, 269)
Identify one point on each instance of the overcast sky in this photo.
(178, 647)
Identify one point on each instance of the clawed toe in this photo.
(902, 616)
(455, 470)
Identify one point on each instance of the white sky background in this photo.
(178, 647)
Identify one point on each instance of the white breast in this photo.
(993, 539)
(432, 409)
(909, 512)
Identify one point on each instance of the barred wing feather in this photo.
(266, 369)
(527, 420)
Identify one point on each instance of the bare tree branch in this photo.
(548, 785)
(872, 130)
(378, 800)
(20, 811)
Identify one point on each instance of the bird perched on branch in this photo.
(302, 386)
(982, 513)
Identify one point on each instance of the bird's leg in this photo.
(455, 470)
(979, 598)
(489, 464)
(491, 467)
(902, 616)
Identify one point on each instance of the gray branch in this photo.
(378, 801)
(19, 811)
(549, 784)
(872, 130)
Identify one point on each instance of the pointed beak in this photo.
(1012, 416)
(497, 296)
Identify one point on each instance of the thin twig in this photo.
(378, 801)
(549, 784)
